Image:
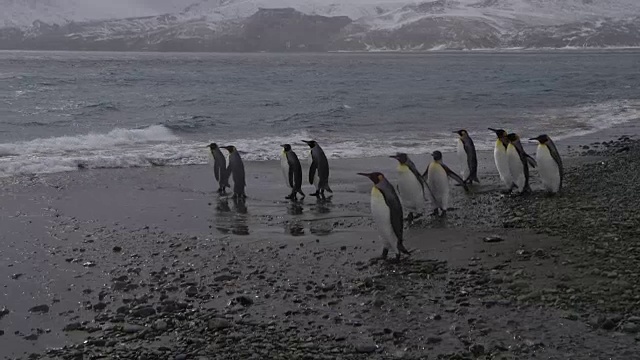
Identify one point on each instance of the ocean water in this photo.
(62, 110)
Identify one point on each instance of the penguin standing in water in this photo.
(387, 214)
(236, 170)
(219, 168)
(549, 164)
(468, 157)
(411, 186)
(500, 157)
(437, 176)
(292, 171)
(519, 162)
(319, 170)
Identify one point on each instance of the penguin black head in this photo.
(230, 148)
(286, 147)
(212, 146)
(401, 157)
(500, 133)
(513, 137)
(437, 155)
(541, 138)
(461, 132)
(311, 143)
(376, 177)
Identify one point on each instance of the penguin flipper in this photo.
(532, 162)
(453, 175)
(312, 171)
(291, 172)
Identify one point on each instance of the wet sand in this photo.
(151, 263)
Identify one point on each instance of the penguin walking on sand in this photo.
(468, 158)
(437, 176)
(519, 162)
(236, 170)
(411, 186)
(292, 171)
(387, 214)
(219, 168)
(500, 157)
(319, 170)
(549, 164)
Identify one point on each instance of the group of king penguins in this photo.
(414, 188)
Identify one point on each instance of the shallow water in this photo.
(62, 110)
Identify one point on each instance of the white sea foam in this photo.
(159, 146)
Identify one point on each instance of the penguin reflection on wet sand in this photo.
(387, 214)
(468, 158)
(500, 157)
(236, 171)
(519, 162)
(411, 186)
(437, 176)
(292, 171)
(319, 169)
(219, 168)
(549, 164)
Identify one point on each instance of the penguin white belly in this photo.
(462, 157)
(516, 168)
(410, 190)
(382, 217)
(548, 169)
(284, 164)
(439, 184)
(502, 163)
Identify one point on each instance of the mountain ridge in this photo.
(361, 25)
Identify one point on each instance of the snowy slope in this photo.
(21, 13)
(374, 24)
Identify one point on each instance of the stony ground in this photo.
(531, 277)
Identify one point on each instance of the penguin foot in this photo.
(409, 218)
(443, 213)
(289, 197)
(435, 212)
(316, 194)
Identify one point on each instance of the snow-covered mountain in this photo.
(316, 25)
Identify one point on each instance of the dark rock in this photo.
(493, 239)
(131, 329)
(434, 340)
(144, 312)
(42, 309)
(631, 327)
(219, 324)
(225, 277)
(4, 312)
(16, 276)
(160, 325)
(477, 350)
(99, 306)
(366, 348)
(75, 326)
(191, 291)
(242, 300)
(31, 337)
(117, 249)
(181, 357)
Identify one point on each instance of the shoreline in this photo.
(167, 270)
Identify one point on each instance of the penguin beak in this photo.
(394, 157)
(494, 130)
(282, 145)
(306, 141)
(363, 174)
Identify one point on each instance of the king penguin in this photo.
(500, 157)
(219, 168)
(387, 214)
(292, 171)
(437, 177)
(549, 164)
(236, 170)
(319, 170)
(519, 162)
(411, 186)
(468, 157)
